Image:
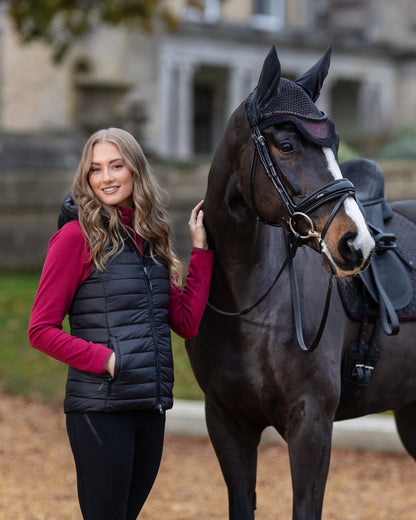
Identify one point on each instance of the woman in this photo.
(111, 268)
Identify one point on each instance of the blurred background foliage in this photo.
(401, 146)
(59, 23)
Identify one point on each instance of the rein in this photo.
(295, 301)
(338, 189)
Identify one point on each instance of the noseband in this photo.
(339, 189)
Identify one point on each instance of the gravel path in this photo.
(37, 477)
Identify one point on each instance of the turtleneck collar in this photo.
(126, 215)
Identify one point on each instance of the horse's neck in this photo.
(240, 241)
(246, 252)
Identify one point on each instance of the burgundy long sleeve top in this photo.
(68, 264)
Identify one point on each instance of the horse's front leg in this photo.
(309, 445)
(235, 443)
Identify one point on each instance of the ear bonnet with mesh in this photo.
(277, 100)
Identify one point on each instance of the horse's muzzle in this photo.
(352, 258)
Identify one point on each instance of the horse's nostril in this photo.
(347, 249)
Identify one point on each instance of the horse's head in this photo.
(294, 179)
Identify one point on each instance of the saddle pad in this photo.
(351, 290)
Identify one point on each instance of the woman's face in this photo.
(109, 177)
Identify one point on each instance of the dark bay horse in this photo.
(277, 164)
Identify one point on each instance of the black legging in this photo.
(117, 457)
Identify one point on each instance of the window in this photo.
(203, 11)
(268, 15)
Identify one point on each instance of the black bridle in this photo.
(339, 190)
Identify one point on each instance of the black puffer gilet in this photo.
(124, 307)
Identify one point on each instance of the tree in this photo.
(60, 22)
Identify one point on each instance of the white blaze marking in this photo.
(363, 239)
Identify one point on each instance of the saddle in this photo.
(381, 290)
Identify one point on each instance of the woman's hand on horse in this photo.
(196, 227)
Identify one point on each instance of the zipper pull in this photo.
(108, 380)
(148, 277)
(159, 407)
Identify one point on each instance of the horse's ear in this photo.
(313, 79)
(269, 80)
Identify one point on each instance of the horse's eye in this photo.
(285, 147)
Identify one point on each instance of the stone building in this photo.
(176, 90)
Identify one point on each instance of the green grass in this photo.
(28, 372)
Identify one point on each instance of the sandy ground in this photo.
(37, 476)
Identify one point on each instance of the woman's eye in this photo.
(94, 170)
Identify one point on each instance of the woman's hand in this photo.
(111, 364)
(196, 227)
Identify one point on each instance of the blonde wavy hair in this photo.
(101, 223)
